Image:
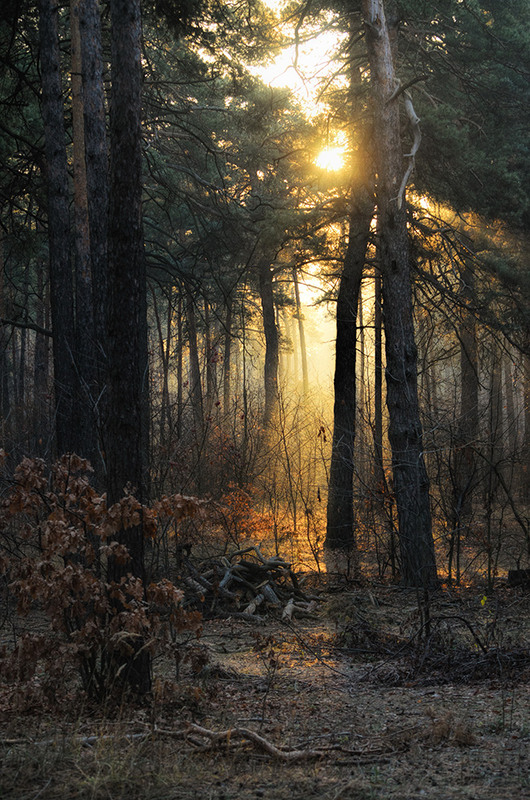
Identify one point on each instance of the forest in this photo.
(264, 399)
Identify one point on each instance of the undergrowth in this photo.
(58, 543)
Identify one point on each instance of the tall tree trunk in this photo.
(340, 515)
(180, 346)
(127, 426)
(210, 347)
(227, 357)
(301, 334)
(496, 421)
(378, 390)
(196, 394)
(511, 418)
(272, 352)
(411, 484)
(96, 160)
(164, 344)
(525, 489)
(86, 433)
(466, 466)
(5, 395)
(41, 367)
(61, 283)
(97, 169)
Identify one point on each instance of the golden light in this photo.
(331, 158)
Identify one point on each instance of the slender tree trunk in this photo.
(41, 368)
(466, 463)
(127, 427)
(511, 418)
(301, 334)
(363, 411)
(227, 357)
(20, 373)
(180, 403)
(378, 390)
(5, 394)
(411, 484)
(164, 344)
(4, 383)
(496, 422)
(272, 352)
(196, 394)
(210, 347)
(61, 283)
(526, 440)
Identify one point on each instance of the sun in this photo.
(331, 158)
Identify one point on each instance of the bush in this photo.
(58, 542)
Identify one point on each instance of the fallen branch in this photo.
(230, 735)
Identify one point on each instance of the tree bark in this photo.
(272, 352)
(97, 161)
(179, 360)
(5, 394)
(61, 282)
(127, 426)
(340, 515)
(525, 488)
(378, 391)
(41, 368)
(86, 428)
(210, 357)
(411, 484)
(196, 394)
(227, 357)
(466, 466)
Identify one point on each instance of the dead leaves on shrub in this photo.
(57, 539)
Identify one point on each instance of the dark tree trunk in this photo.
(5, 394)
(61, 283)
(196, 394)
(179, 366)
(210, 353)
(496, 433)
(525, 487)
(96, 165)
(227, 357)
(86, 433)
(465, 466)
(411, 484)
(41, 368)
(164, 344)
(340, 516)
(378, 390)
(511, 418)
(272, 351)
(96, 160)
(127, 424)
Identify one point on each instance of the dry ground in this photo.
(388, 711)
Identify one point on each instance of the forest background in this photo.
(287, 317)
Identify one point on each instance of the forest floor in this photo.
(370, 698)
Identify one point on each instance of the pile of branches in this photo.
(245, 584)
